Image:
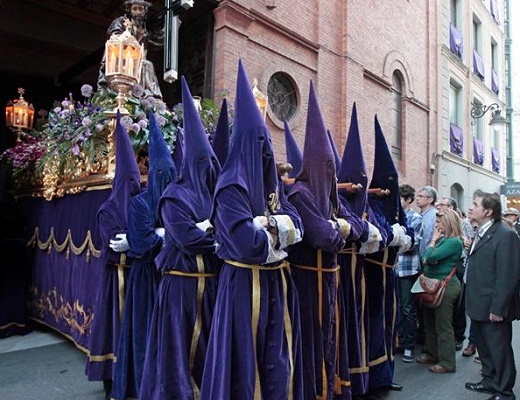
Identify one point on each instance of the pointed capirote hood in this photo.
(250, 163)
(292, 151)
(127, 177)
(161, 168)
(221, 137)
(353, 168)
(318, 171)
(385, 176)
(200, 166)
(337, 158)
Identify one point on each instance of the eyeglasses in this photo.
(422, 196)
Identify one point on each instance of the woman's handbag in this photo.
(432, 290)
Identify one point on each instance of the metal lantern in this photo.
(123, 61)
(19, 114)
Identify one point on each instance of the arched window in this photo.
(397, 115)
(457, 192)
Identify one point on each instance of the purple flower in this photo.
(86, 121)
(161, 106)
(136, 127)
(145, 103)
(86, 90)
(160, 119)
(127, 122)
(137, 91)
(75, 149)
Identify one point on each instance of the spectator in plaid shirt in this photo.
(407, 270)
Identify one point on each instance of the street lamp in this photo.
(498, 122)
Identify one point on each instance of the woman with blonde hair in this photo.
(440, 258)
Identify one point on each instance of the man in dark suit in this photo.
(492, 295)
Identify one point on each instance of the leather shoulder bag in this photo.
(434, 290)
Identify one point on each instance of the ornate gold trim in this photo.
(67, 244)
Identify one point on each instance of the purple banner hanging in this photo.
(478, 151)
(493, 8)
(478, 64)
(495, 160)
(456, 140)
(495, 82)
(456, 42)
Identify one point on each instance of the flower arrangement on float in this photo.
(71, 142)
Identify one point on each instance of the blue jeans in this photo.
(408, 316)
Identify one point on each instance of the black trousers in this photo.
(459, 313)
(496, 353)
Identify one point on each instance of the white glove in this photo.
(121, 244)
(373, 234)
(260, 222)
(406, 244)
(160, 232)
(399, 234)
(204, 225)
(333, 224)
(369, 247)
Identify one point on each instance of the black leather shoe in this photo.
(479, 388)
(395, 386)
(499, 397)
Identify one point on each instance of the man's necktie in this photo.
(477, 238)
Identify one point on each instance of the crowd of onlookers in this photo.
(446, 240)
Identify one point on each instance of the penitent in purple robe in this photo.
(183, 309)
(254, 350)
(112, 219)
(314, 260)
(381, 279)
(143, 279)
(352, 364)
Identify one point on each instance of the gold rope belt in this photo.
(197, 328)
(191, 274)
(383, 263)
(121, 283)
(349, 250)
(255, 316)
(315, 269)
(320, 270)
(283, 264)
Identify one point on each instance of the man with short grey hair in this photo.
(425, 199)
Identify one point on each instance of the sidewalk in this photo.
(43, 365)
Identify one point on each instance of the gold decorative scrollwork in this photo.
(67, 244)
(73, 314)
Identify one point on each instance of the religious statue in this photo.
(135, 16)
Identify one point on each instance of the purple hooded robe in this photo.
(112, 219)
(142, 282)
(254, 349)
(313, 261)
(184, 304)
